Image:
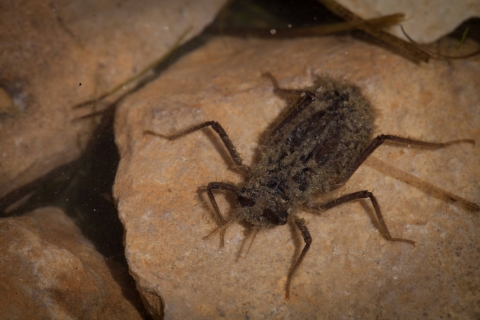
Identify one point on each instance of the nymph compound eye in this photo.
(278, 217)
(246, 202)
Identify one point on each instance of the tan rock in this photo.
(350, 270)
(57, 54)
(49, 270)
(425, 21)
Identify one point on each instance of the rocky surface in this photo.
(350, 270)
(50, 271)
(425, 21)
(57, 54)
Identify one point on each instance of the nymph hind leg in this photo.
(380, 139)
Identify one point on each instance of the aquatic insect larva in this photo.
(315, 148)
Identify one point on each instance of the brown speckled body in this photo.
(309, 151)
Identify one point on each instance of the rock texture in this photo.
(50, 271)
(57, 54)
(350, 270)
(425, 21)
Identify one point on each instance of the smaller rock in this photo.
(50, 270)
(55, 55)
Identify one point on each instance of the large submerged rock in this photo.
(350, 270)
